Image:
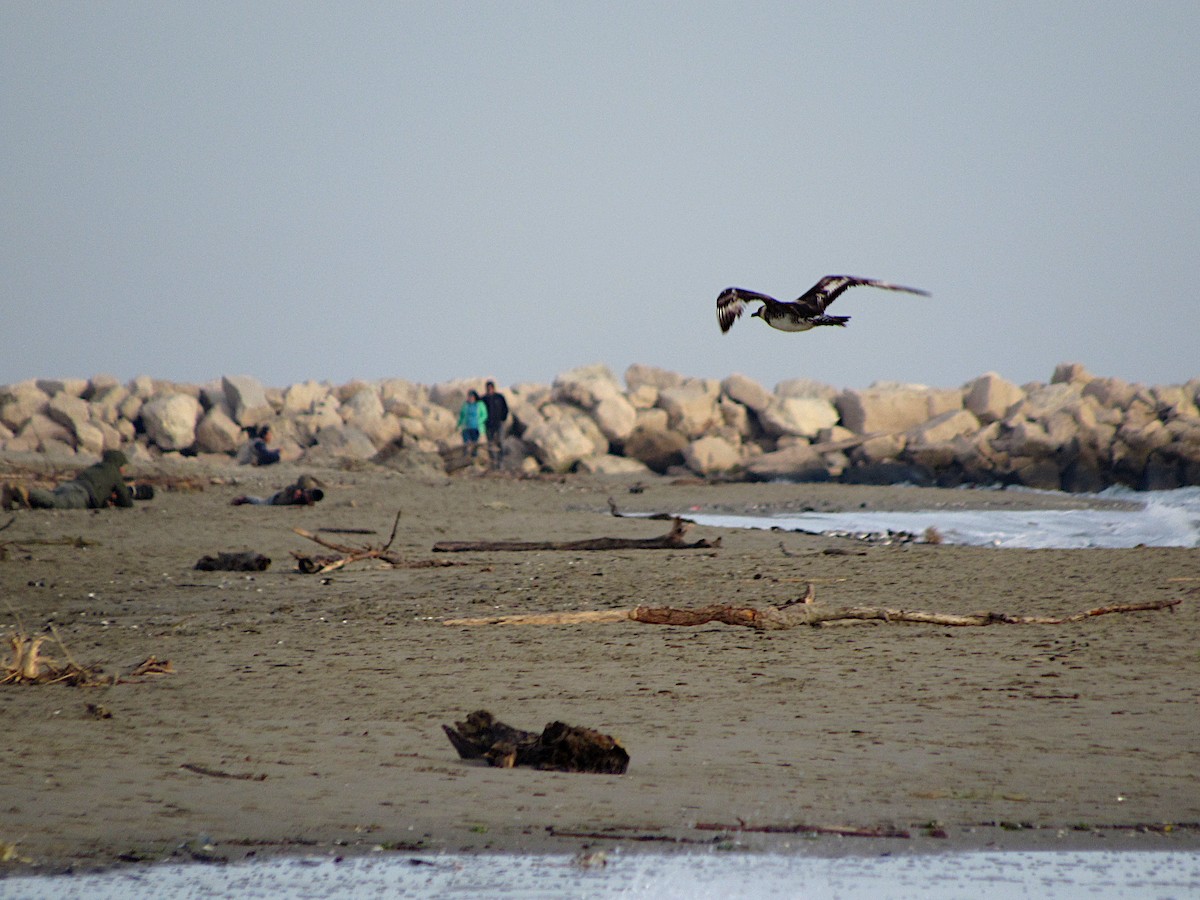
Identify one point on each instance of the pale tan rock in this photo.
(218, 433)
(943, 428)
(1071, 373)
(691, 408)
(170, 420)
(990, 397)
(247, 399)
(640, 374)
(643, 396)
(612, 465)
(746, 391)
(883, 409)
(806, 387)
(735, 417)
(1040, 402)
(615, 416)
(799, 462)
(710, 455)
(560, 443)
(586, 386)
(303, 397)
(19, 402)
(803, 416)
(658, 448)
(881, 448)
(336, 442)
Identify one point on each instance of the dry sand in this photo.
(330, 691)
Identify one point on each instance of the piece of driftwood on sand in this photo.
(612, 508)
(802, 611)
(320, 565)
(672, 540)
(559, 747)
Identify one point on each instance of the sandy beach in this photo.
(304, 712)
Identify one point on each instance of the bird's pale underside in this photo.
(806, 311)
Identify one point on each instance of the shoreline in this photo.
(333, 688)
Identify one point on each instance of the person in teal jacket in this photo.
(472, 420)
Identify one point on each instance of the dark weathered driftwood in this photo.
(801, 612)
(234, 562)
(562, 748)
(612, 508)
(319, 565)
(672, 540)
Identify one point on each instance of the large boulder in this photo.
(335, 442)
(989, 397)
(615, 416)
(806, 387)
(658, 448)
(363, 404)
(303, 397)
(800, 416)
(74, 387)
(106, 403)
(170, 420)
(19, 402)
(640, 374)
(74, 414)
(247, 399)
(799, 462)
(586, 386)
(943, 428)
(560, 443)
(217, 433)
(612, 465)
(1066, 373)
(691, 408)
(893, 407)
(452, 394)
(1044, 400)
(40, 432)
(746, 391)
(710, 455)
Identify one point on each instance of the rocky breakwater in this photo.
(1077, 432)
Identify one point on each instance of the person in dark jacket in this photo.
(497, 412)
(94, 488)
(305, 492)
(260, 453)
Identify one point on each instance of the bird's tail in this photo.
(840, 321)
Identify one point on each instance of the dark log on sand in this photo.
(800, 612)
(672, 540)
(562, 748)
(234, 562)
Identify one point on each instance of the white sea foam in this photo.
(1161, 519)
(1067, 875)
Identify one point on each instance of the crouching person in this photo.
(95, 487)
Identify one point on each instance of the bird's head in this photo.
(757, 314)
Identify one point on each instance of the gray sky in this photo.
(437, 190)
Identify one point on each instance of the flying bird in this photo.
(806, 311)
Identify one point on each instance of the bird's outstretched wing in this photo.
(829, 288)
(733, 300)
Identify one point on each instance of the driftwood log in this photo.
(672, 540)
(319, 565)
(795, 613)
(560, 747)
(234, 562)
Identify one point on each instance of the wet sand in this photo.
(328, 692)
